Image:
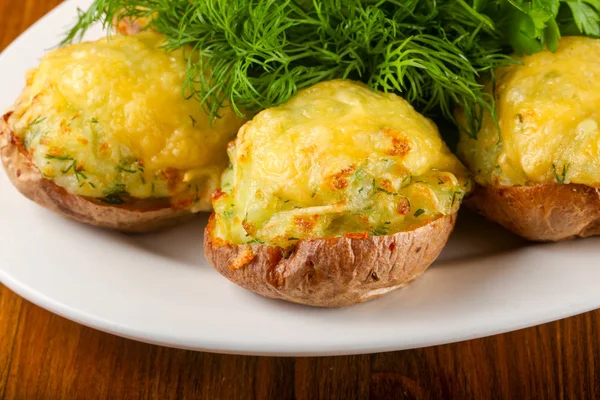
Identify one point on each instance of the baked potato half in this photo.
(102, 134)
(538, 168)
(334, 198)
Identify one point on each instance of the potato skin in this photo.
(333, 272)
(543, 213)
(136, 218)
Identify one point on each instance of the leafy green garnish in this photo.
(419, 212)
(255, 54)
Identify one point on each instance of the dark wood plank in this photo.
(10, 311)
(553, 361)
(343, 378)
(17, 15)
(58, 359)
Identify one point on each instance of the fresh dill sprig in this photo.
(255, 54)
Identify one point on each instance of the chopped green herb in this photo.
(193, 121)
(379, 189)
(73, 164)
(79, 174)
(112, 199)
(407, 180)
(454, 198)
(360, 174)
(113, 195)
(119, 188)
(123, 169)
(256, 241)
(419, 212)
(60, 158)
(292, 238)
(35, 122)
(380, 231)
(94, 121)
(560, 175)
(197, 198)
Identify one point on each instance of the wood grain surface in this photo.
(43, 356)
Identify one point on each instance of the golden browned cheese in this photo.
(548, 119)
(336, 160)
(108, 119)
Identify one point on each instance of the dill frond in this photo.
(255, 54)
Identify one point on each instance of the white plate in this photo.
(159, 288)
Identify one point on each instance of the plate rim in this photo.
(74, 314)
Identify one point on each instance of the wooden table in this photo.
(43, 356)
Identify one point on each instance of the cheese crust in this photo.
(107, 120)
(337, 160)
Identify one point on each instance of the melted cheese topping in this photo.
(108, 118)
(337, 159)
(548, 118)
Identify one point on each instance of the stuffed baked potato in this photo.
(538, 169)
(334, 198)
(103, 135)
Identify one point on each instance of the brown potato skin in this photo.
(140, 217)
(333, 272)
(542, 213)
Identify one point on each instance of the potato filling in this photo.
(336, 160)
(108, 120)
(548, 120)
